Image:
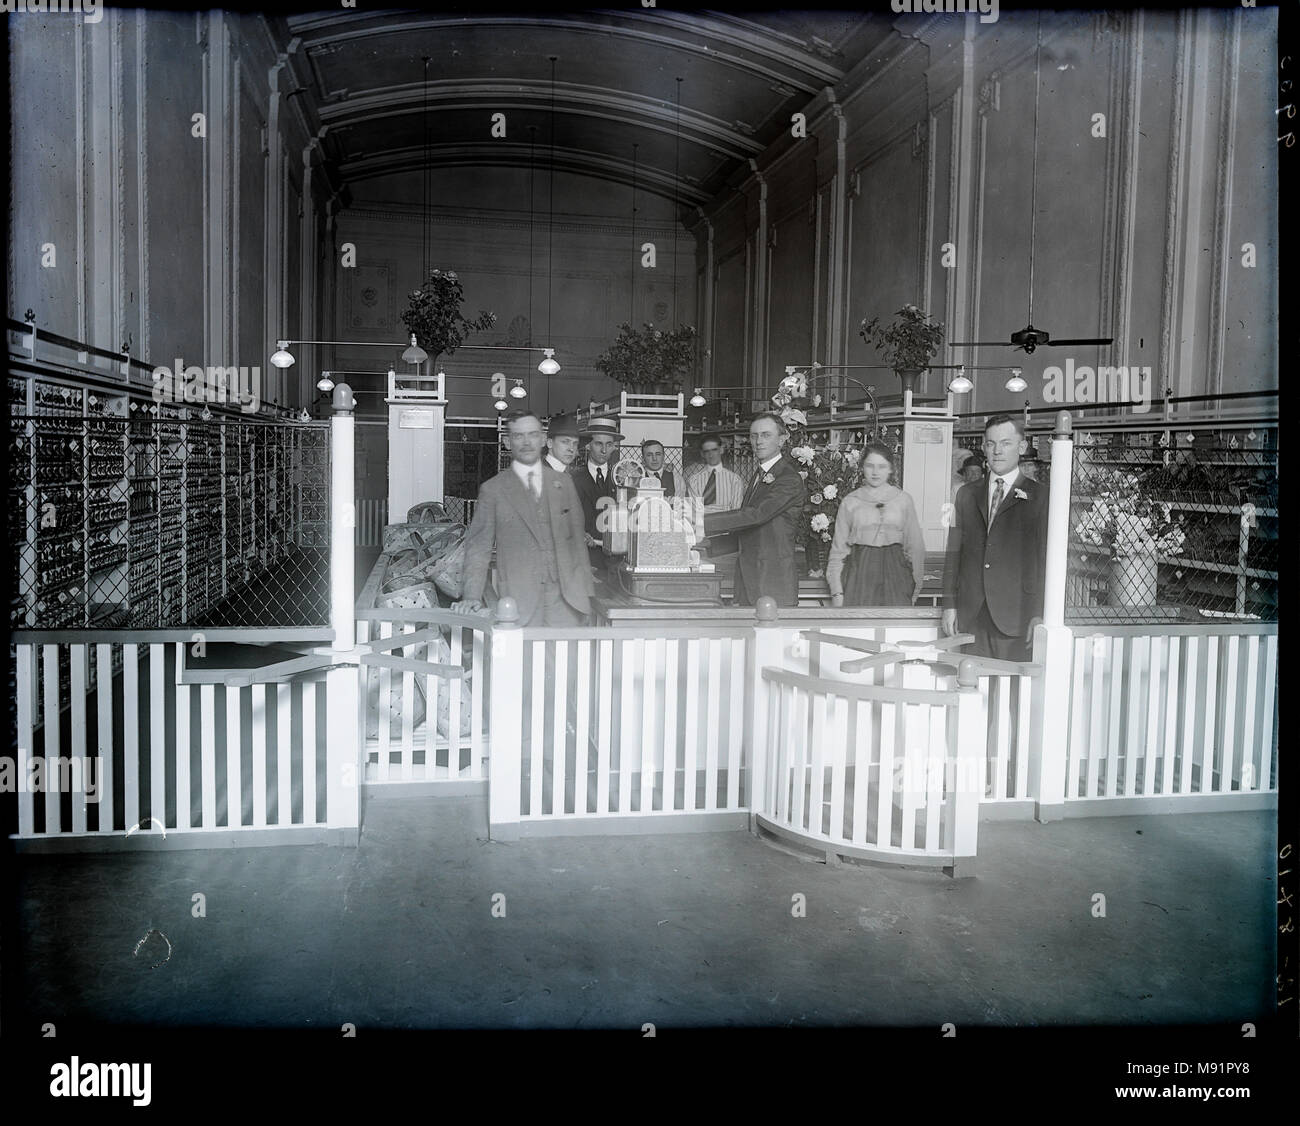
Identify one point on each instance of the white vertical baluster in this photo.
(456, 688)
(837, 718)
(889, 731)
(130, 735)
(104, 693)
(77, 684)
(1230, 688)
(651, 666)
(208, 753)
(476, 707)
(582, 728)
(25, 674)
(1002, 748)
(283, 754)
(537, 744)
(1191, 689)
(1212, 688)
(183, 696)
(405, 769)
(1078, 739)
(157, 737)
(1139, 664)
(936, 764)
(385, 709)
(235, 750)
(309, 752)
(1115, 673)
(691, 749)
(1154, 712)
(560, 739)
(712, 724)
(1173, 689)
(667, 798)
(736, 720)
(260, 697)
(1097, 698)
(863, 716)
(1025, 687)
(817, 704)
(606, 700)
(1267, 743)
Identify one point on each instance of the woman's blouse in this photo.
(875, 517)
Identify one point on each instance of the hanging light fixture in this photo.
(500, 404)
(1016, 383)
(960, 384)
(698, 399)
(548, 366)
(281, 357)
(325, 383)
(518, 391)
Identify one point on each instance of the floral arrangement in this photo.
(651, 356)
(434, 314)
(911, 341)
(830, 471)
(1124, 519)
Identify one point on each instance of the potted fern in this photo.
(434, 315)
(908, 343)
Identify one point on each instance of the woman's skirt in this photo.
(878, 576)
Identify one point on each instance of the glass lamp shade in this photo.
(414, 354)
(325, 383)
(960, 384)
(518, 391)
(548, 366)
(1017, 381)
(500, 404)
(281, 357)
(698, 399)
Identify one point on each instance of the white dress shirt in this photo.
(523, 471)
(556, 464)
(593, 468)
(1008, 483)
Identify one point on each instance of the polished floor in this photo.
(428, 924)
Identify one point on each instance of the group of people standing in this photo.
(541, 516)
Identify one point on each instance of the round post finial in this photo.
(968, 673)
(343, 401)
(765, 609)
(507, 611)
(1064, 424)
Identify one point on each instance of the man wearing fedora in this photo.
(594, 479)
(561, 443)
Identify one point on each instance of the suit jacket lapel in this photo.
(982, 501)
(1023, 484)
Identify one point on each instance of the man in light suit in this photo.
(767, 519)
(997, 551)
(532, 516)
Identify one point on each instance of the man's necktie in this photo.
(534, 484)
(600, 478)
(998, 489)
(711, 489)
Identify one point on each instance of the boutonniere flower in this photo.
(768, 479)
(1020, 494)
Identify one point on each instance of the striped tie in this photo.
(711, 489)
(997, 499)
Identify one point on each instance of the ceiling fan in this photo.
(1030, 337)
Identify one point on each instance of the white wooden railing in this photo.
(1173, 714)
(615, 731)
(883, 773)
(201, 763)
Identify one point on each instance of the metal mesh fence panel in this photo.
(155, 521)
(1171, 524)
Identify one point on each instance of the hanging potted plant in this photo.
(434, 315)
(651, 361)
(908, 344)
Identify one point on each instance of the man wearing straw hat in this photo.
(594, 479)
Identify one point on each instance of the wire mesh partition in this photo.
(135, 519)
(1173, 524)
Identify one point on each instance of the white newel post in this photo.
(1053, 642)
(966, 786)
(766, 654)
(505, 761)
(342, 687)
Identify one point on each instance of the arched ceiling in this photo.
(615, 87)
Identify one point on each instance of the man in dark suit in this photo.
(594, 480)
(531, 515)
(767, 519)
(652, 457)
(997, 551)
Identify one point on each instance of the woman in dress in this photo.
(877, 555)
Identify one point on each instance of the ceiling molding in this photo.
(496, 154)
(570, 99)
